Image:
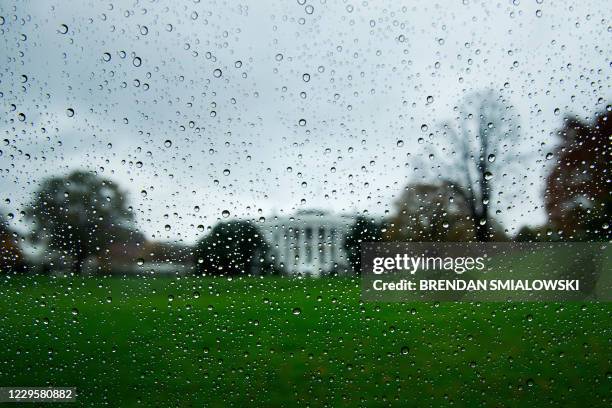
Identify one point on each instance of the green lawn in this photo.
(281, 342)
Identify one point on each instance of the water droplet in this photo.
(70, 112)
(217, 73)
(225, 213)
(63, 29)
(168, 143)
(137, 61)
(296, 311)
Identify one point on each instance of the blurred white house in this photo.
(309, 243)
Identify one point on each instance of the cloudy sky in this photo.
(262, 107)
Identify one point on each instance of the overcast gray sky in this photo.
(227, 83)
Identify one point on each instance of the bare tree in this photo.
(472, 151)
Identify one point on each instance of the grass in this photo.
(282, 342)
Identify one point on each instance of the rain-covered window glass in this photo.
(187, 186)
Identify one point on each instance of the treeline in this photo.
(83, 222)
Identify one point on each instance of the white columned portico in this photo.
(309, 241)
(301, 249)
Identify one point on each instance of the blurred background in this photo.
(157, 158)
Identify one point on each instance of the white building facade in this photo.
(310, 243)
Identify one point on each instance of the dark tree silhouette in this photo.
(79, 216)
(363, 230)
(527, 234)
(235, 248)
(432, 213)
(578, 195)
(482, 140)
